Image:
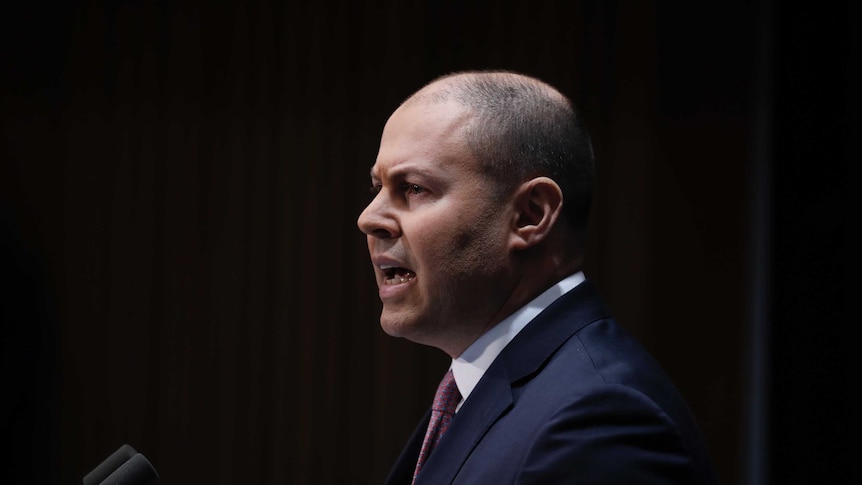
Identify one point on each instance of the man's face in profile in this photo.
(436, 236)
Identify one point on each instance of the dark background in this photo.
(181, 269)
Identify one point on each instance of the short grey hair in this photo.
(522, 128)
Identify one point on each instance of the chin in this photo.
(394, 327)
(389, 330)
(401, 327)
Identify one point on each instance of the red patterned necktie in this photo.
(445, 402)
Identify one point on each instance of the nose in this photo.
(378, 219)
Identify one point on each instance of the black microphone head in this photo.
(136, 471)
(108, 466)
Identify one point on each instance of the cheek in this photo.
(478, 249)
(464, 240)
(447, 256)
(463, 243)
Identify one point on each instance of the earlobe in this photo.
(538, 204)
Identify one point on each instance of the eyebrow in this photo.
(402, 169)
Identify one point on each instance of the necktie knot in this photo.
(447, 397)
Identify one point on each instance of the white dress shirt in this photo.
(471, 365)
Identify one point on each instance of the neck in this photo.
(533, 271)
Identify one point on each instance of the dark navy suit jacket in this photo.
(573, 398)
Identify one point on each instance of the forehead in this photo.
(424, 136)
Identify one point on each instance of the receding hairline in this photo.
(518, 127)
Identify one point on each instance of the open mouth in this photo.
(397, 276)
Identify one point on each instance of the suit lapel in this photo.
(538, 341)
(490, 400)
(493, 395)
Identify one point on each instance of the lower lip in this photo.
(390, 291)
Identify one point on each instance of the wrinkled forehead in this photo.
(427, 133)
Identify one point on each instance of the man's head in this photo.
(483, 182)
(522, 128)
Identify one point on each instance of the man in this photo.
(483, 184)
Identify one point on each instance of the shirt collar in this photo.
(471, 365)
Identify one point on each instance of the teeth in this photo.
(399, 279)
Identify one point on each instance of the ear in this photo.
(538, 204)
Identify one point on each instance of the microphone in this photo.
(123, 467)
(111, 463)
(137, 471)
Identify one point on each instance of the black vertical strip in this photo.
(755, 459)
(811, 374)
(161, 239)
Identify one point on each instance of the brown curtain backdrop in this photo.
(183, 180)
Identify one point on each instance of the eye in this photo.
(375, 189)
(414, 189)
